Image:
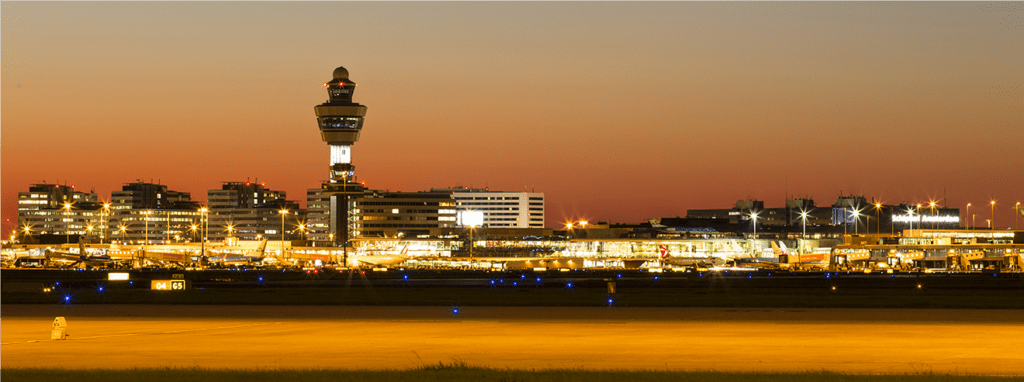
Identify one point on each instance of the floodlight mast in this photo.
(340, 121)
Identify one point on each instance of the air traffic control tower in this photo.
(340, 122)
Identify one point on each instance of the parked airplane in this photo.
(70, 259)
(380, 260)
(661, 228)
(254, 257)
(699, 262)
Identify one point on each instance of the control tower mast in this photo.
(340, 121)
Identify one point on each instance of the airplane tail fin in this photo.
(777, 250)
(262, 247)
(405, 250)
(655, 223)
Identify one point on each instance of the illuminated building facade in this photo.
(234, 195)
(501, 209)
(151, 213)
(44, 196)
(318, 216)
(405, 214)
(157, 225)
(790, 215)
(142, 195)
(43, 211)
(250, 211)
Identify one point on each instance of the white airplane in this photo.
(382, 261)
(703, 262)
(253, 257)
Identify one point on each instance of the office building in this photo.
(251, 211)
(405, 214)
(501, 209)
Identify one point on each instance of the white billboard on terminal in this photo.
(470, 218)
(925, 219)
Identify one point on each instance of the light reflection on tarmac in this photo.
(848, 340)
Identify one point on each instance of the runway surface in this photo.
(849, 340)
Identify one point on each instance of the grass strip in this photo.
(461, 372)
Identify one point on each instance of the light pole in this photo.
(878, 217)
(568, 230)
(856, 221)
(122, 228)
(803, 216)
(992, 225)
(967, 217)
(471, 228)
(167, 228)
(1016, 211)
(754, 216)
(283, 212)
(910, 216)
(105, 217)
(145, 239)
(67, 221)
(932, 206)
(204, 225)
(753, 244)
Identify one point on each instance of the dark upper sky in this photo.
(616, 111)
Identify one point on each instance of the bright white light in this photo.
(470, 218)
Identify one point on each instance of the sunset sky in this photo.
(618, 112)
